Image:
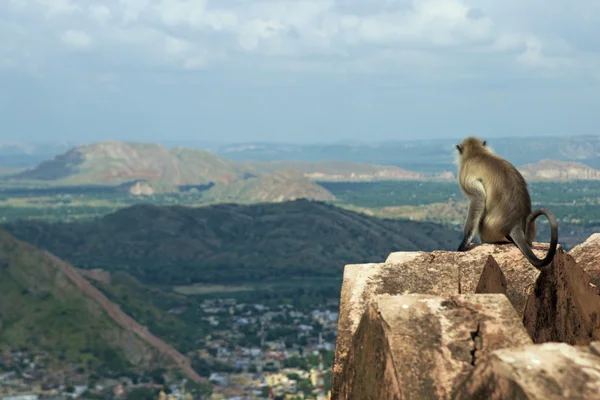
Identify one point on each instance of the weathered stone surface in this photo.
(421, 346)
(439, 273)
(587, 255)
(463, 270)
(536, 372)
(564, 307)
(492, 278)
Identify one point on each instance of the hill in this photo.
(118, 162)
(230, 243)
(272, 188)
(550, 170)
(333, 171)
(45, 305)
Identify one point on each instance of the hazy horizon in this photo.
(200, 143)
(301, 72)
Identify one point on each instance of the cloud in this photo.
(99, 13)
(57, 7)
(442, 37)
(76, 39)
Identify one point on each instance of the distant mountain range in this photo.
(17, 155)
(45, 305)
(151, 168)
(117, 162)
(229, 243)
(256, 167)
(426, 156)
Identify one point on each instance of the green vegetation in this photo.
(393, 193)
(70, 203)
(150, 307)
(166, 259)
(41, 310)
(576, 204)
(87, 202)
(143, 393)
(231, 243)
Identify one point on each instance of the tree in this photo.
(142, 393)
(203, 390)
(305, 386)
(157, 376)
(201, 366)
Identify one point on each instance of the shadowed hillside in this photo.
(228, 243)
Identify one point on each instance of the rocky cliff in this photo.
(482, 324)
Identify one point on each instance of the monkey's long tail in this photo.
(519, 238)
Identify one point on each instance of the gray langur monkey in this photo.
(499, 202)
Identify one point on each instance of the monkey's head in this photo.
(471, 144)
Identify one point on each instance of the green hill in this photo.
(42, 310)
(230, 243)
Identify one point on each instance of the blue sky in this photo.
(297, 71)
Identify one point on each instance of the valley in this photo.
(237, 265)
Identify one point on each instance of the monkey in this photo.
(499, 202)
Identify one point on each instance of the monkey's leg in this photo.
(490, 230)
(476, 209)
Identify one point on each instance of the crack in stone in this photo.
(477, 339)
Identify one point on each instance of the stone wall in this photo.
(481, 324)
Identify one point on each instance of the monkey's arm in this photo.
(476, 193)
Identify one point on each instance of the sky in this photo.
(297, 71)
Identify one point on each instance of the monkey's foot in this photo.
(462, 247)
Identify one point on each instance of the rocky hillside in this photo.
(118, 162)
(271, 188)
(231, 243)
(331, 171)
(46, 305)
(551, 170)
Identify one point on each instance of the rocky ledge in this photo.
(481, 324)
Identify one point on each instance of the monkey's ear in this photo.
(459, 148)
(484, 143)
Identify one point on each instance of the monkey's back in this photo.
(507, 196)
